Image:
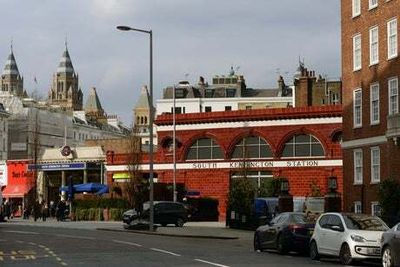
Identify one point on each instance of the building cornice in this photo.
(252, 115)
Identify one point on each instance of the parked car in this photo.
(390, 244)
(165, 212)
(288, 231)
(347, 236)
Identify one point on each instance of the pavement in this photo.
(211, 230)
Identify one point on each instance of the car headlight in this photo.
(357, 238)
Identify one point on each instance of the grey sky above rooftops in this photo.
(264, 38)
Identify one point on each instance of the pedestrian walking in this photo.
(45, 210)
(60, 210)
(52, 209)
(36, 210)
(7, 210)
(26, 213)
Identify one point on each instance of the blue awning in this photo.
(89, 187)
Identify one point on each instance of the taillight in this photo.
(294, 228)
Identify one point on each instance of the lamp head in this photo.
(123, 28)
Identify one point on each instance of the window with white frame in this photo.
(373, 4)
(358, 166)
(357, 108)
(373, 46)
(375, 165)
(392, 38)
(357, 52)
(356, 8)
(393, 87)
(357, 207)
(375, 209)
(374, 94)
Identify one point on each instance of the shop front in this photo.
(19, 190)
(55, 170)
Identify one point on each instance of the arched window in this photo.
(204, 148)
(141, 120)
(145, 120)
(303, 145)
(252, 147)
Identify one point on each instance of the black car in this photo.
(289, 231)
(390, 244)
(165, 212)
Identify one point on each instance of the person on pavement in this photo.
(45, 209)
(36, 210)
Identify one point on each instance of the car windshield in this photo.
(300, 218)
(363, 222)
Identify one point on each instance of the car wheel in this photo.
(345, 255)
(179, 222)
(257, 243)
(281, 245)
(387, 257)
(314, 255)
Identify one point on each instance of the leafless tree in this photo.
(135, 185)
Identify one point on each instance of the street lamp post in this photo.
(174, 145)
(150, 94)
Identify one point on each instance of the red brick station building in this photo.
(301, 144)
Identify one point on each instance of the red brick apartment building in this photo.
(371, 125)
(301, 144)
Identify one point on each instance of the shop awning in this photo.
(89, 187)
(18, 190)
(121, 175)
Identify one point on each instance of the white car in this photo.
(347, 236)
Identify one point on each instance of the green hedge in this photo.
(116, 214)
(96, 214)
(103, 203)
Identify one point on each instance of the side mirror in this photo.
(337, 228)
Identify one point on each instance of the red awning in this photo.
(16, 190)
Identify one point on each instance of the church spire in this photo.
(11, 67)
(11, 81)
(65, 65)
(65, 92)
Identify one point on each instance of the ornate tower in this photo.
(141, 117)
(141, 112)
(93, 109)
(65, 91)
(11, 81)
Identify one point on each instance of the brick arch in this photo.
(302, 130)
(245, 133)
(194, 138)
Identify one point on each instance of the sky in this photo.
(261, 39)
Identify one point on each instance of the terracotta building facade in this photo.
(370, 72)
(299, 144)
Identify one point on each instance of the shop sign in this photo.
(268, 164)
(57, 166)
(256, 164)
